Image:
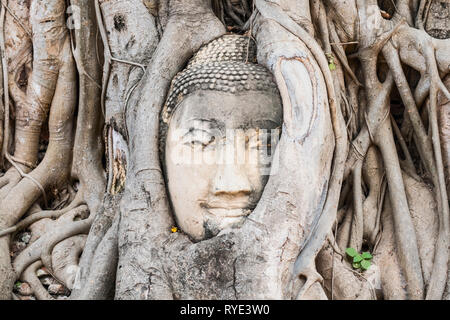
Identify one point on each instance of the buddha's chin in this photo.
(225, 218)
(217, 220)
(227, 222)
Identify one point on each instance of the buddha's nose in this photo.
(231, 179)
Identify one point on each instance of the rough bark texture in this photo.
(364, 154)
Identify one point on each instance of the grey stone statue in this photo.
(223, 118)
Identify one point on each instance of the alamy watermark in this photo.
(254, 147)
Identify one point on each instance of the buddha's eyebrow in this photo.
(192, 129)
(212, 123)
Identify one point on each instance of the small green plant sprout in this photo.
(359, 261)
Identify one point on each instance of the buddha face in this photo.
(218, 157)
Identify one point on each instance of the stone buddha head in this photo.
(221, 124)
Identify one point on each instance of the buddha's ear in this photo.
(298, 87)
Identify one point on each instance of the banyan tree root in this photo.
(444, 129)
(378, 216)
(65, 262)
(51, 90)
(87, 164)
(55, 166)
(40, 85)
(30, 277)
(58, 250)
(49, 38)
(130, 36)
(407, 247)
(65, 259)
(375, 129)
(386, 192)
(371, 126)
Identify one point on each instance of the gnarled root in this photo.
(65, 227)
(65, 256)
(49, 36)
(31, 278)
(311, 277)
(444, 128)
(100, 281)
(54, 168)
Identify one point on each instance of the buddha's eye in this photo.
(261, 141)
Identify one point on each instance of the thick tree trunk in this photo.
(362, 162)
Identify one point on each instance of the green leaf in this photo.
(332, 66)
(351, 252)
(357, 258)
(356, 265)
(365, 264)
(367, 256)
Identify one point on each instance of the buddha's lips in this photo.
(232, 208)
(229, 213)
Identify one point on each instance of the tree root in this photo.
(400, 231)
(312, 276)
(100, 281)
(405, 233)
(357, 231)
(30, 277)
(55, 166)
(25, 223)
(328, 215)
(49, 39)
(437, 283)
(42, 248)
(101, 226)
(444, 128)
(65, 256)
(433, 164)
